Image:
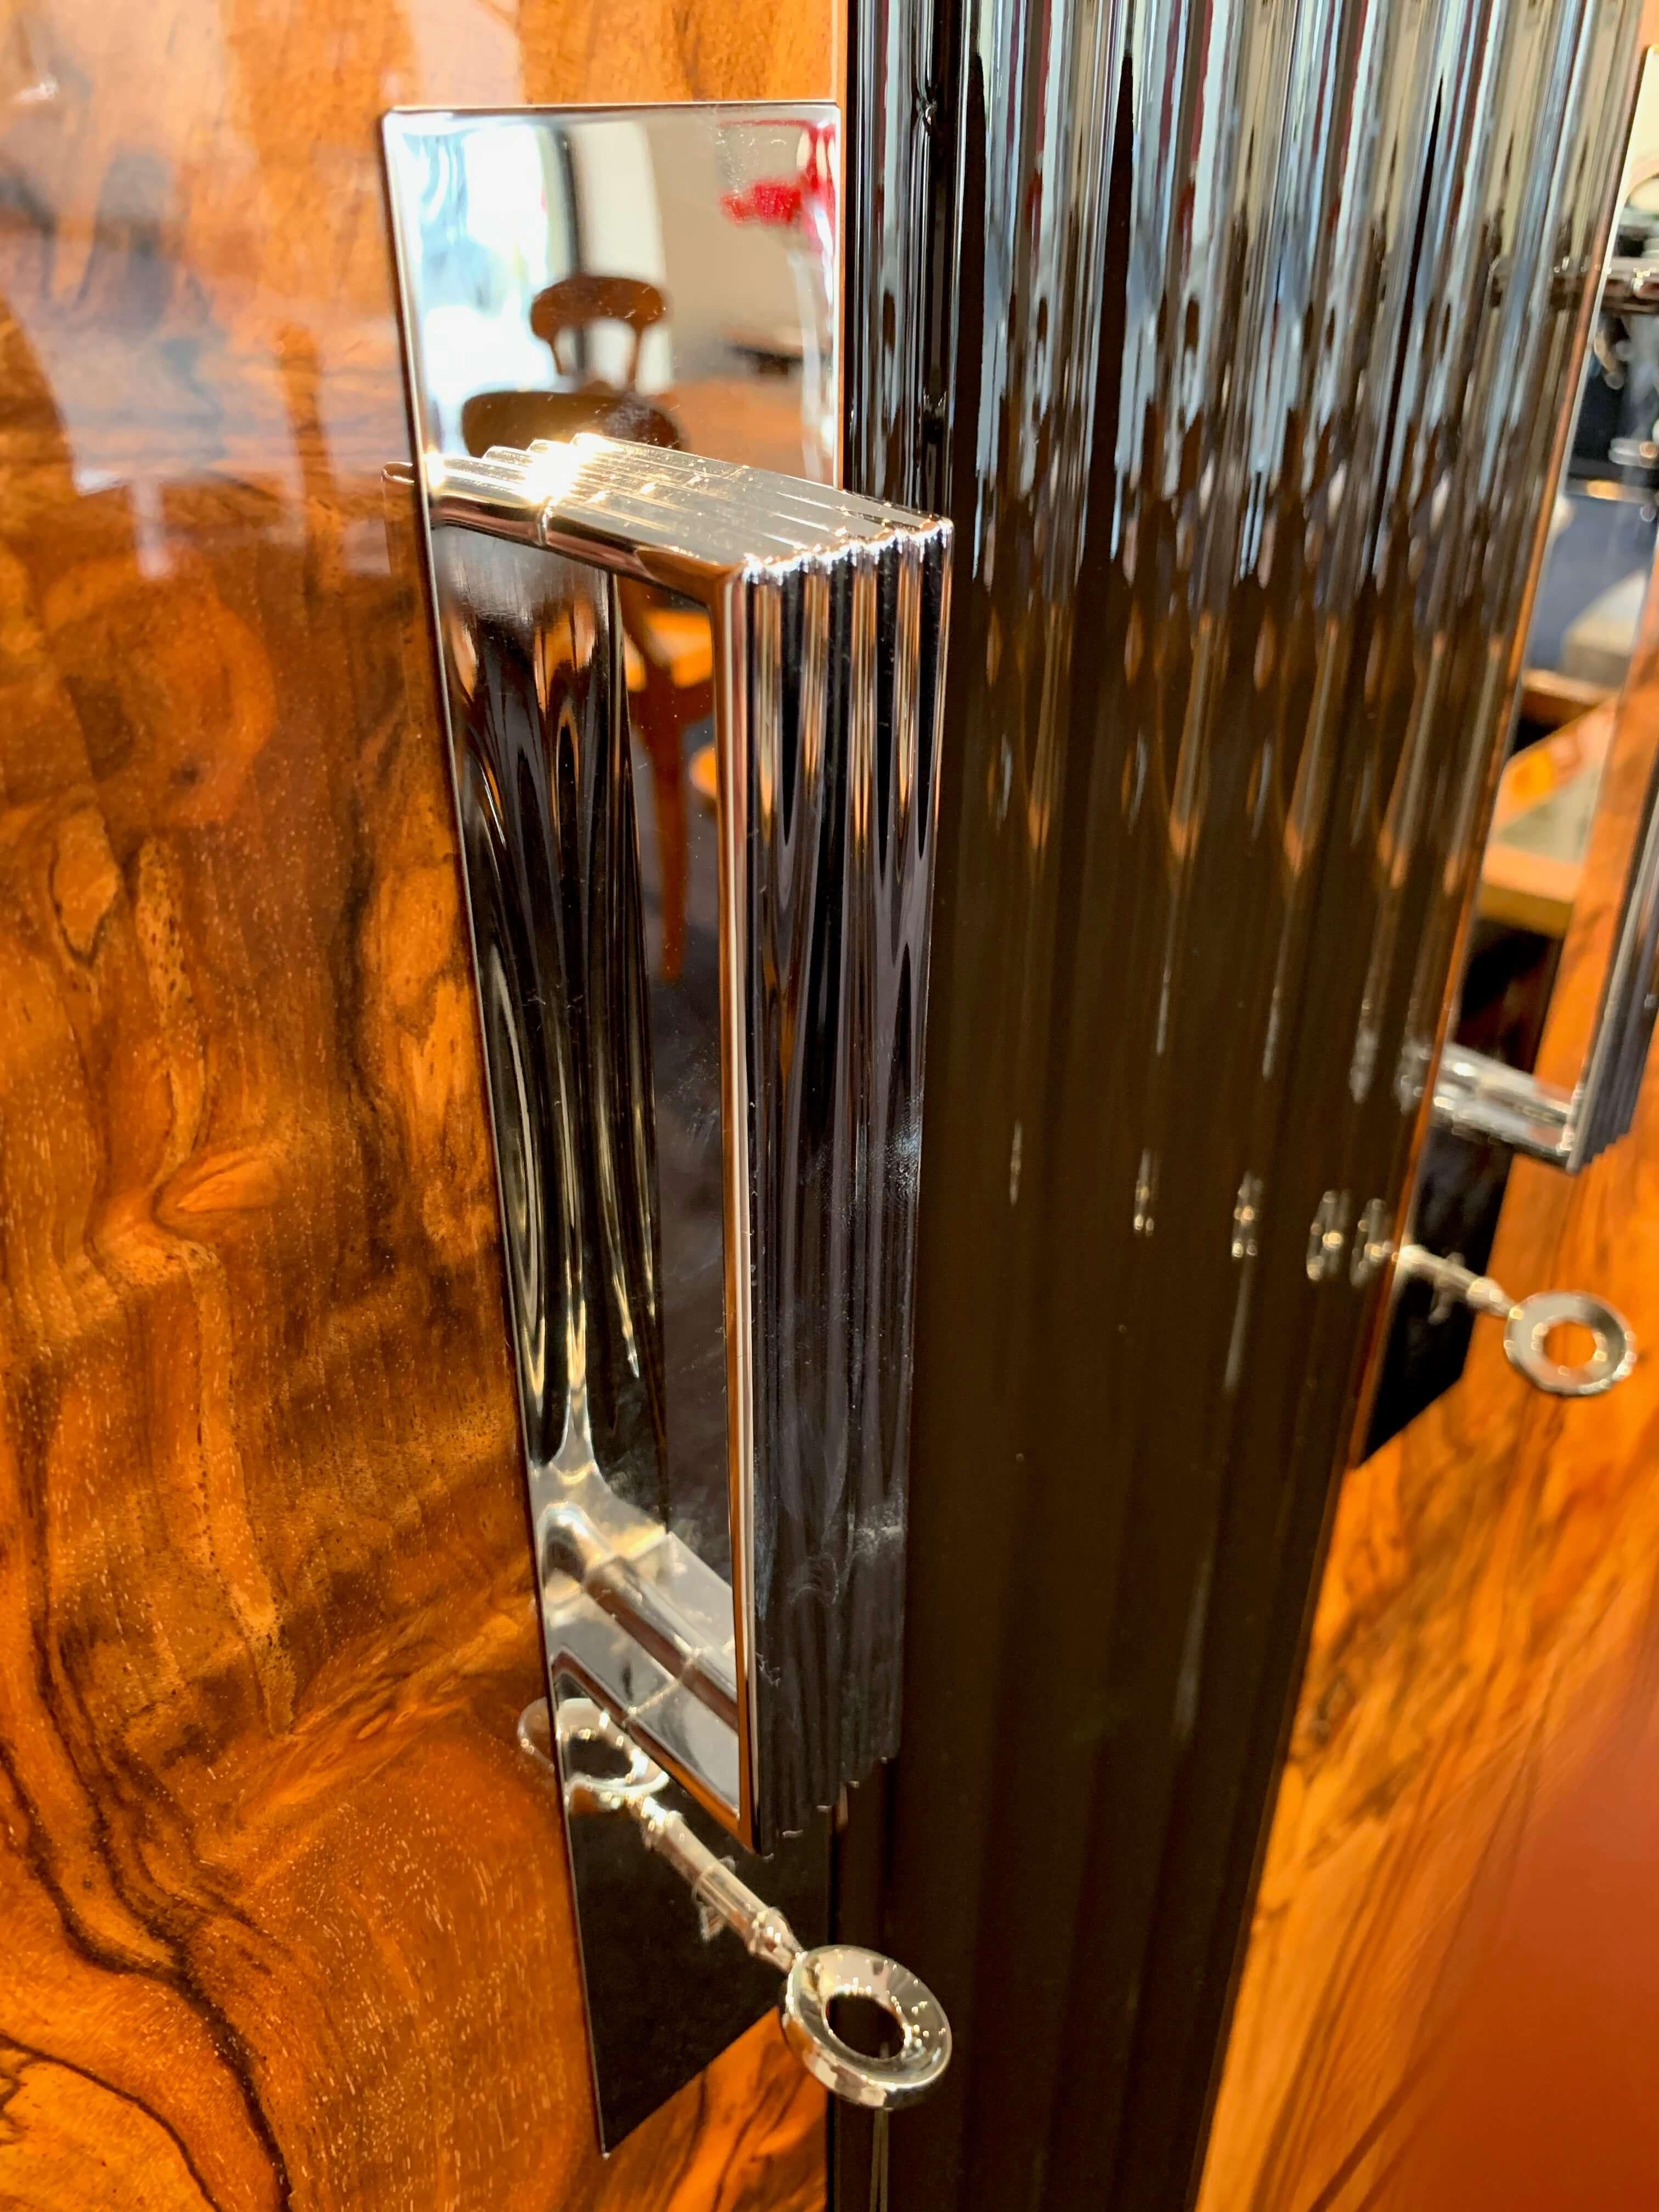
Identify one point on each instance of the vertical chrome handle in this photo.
(767, 1691)
(692, 716)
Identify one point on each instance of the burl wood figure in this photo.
(284, 1910)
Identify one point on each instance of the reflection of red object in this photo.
(807, 198)
(769, 200)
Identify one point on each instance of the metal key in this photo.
(814, 1980)
(1527, 1324)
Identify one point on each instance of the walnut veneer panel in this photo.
(285, 1916)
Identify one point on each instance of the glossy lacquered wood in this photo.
(285, 1912)
(1451, 1965)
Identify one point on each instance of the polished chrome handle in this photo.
(766, 1690)
(1476, 1096)
(1527, 1324)
(692, 715)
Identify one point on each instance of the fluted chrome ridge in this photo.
(768, 1696)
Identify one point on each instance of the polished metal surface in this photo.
(584, 1727)
(1328, 1234)
(1605, 1105)
(1256, 357)
(1606, 1100)
(1631, 286)
(820, 1979)
(602, 1772)
(666, 1990)
(1454, 1284)
(692, 712)
(540, 740)
(767, 1695)
(723, 1898)
(707, 1129)
(1479, 1096)
(1528, 1323)
(669, 275)
(1528, 1328)
(902, 249)
(1373, 1245)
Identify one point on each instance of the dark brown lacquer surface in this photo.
(1254, 365)
(285, 1918)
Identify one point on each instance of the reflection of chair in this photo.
(669, 650)
(575, 302)
(565, 308)
(519, 418)
(571, 306)
(671, 683)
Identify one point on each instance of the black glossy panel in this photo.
(1265, 317)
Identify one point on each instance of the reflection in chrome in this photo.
(766, 1696)
(1247, 1212)
(1327, 1234)
(818, 1980)
(1630, 288)
(1373, 1243)
(1479, 1096)
(666, 275)
(902, 248)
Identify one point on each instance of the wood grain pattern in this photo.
(285, 1916)
(1478, 1716)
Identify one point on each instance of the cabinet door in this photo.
(286, 1911)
